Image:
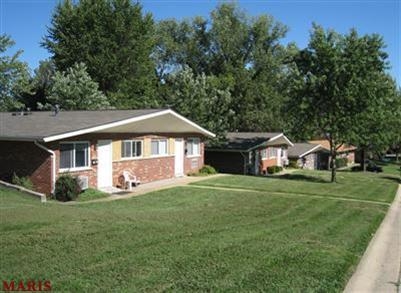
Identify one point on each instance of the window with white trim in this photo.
(193, 146)
(263, 154)
(159, 147)
(272, 152)
(74, 155)
(131, 148)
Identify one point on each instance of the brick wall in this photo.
(146, 170)
(193, 164)
(26, 159)
(309, 162)
(264, 163)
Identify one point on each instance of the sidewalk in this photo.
(379, 269)
(150, 187)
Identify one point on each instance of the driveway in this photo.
(380, 267)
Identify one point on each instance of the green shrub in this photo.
(274, 169)
(293, 164)
(22, 181)
(341, 162)
(67, 188)
(206, 169)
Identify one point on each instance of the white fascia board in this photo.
(310, 151)
(271, 140)
(124, 122)
(203, 130)
(279, 136)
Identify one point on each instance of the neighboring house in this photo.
(344, 151)
(98, 146)
(249, 152)
(308, 156)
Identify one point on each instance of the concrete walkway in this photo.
(149, 187)
(380, 267)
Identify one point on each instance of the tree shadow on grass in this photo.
(301, 177)
(392, 178)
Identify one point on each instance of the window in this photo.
(272, 152)
(263, 153)
(193, 146)
(131, 149)
(74, 155)
(159, 147)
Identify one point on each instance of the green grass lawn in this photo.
(391, 168)
(190, 239)
(91, 194)
(356, 185)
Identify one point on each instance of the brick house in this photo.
(249, 152)
(309, 156)
(98, 146)
(343, 151)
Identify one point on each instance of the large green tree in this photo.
(75, 90)
(14, 77)
(336, 89)
(201, 98)
(114, 39)
(41, 84)
(243, 52)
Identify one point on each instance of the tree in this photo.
(41, 84)
(114, 39)
(335, 88)
(201, 99)
(242, 52)
(14, 77)
(378, 125)
(395, 125)
(75, 90)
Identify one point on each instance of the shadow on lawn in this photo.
(392, 178)
(301, 177)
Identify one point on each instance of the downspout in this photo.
(53, 156)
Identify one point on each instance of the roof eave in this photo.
(266, 143)
(18, 138)
(124, 122)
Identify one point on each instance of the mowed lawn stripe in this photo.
(242, 189)
(187, 239)
(364, 186)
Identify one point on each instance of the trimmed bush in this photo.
(67, 188)
(22, 181)
(206, 169)
(274, 169)
(341, 162)
(293, 164)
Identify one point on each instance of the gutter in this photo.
(53, 156)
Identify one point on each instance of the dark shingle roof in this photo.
(301, 148)
(246, 140)
(38, 125)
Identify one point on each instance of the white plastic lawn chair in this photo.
(130, 179)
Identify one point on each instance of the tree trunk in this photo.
(333, 153)
(363, 155)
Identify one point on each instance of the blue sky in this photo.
(26, 21)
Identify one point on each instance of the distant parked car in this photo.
(373, 167)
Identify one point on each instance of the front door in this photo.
(105, 164)
(179, 157)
